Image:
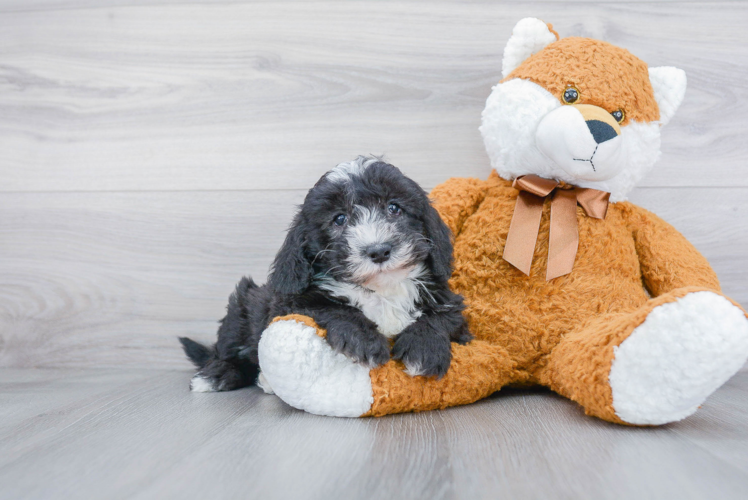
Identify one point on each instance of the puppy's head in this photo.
(366, 223)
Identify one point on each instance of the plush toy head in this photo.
(577, 110)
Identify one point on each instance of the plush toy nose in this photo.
(379, 252)
(601, 131)
(600, 123)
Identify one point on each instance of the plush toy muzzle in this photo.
(594, 121)
(584, 140)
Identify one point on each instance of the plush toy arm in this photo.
(457, 199)
(668, 261)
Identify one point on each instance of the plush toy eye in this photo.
(340, 219)
(571, 95)
(394, 209)
(619, 115)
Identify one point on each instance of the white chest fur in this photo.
(391, 307)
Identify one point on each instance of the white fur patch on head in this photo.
(370, 227)
(344, 172)
(669, 85)
(391, 303)
(677, 357)
(307, 374)
(529, 36)
(510, 122)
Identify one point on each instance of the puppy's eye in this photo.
(394, 209)
(340, 219)
(571, 95)
(619, 115)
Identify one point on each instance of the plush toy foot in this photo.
(682, 352)
(301, 368)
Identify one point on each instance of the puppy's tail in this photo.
(198, 353)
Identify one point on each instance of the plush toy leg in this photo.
(478, 370)
(298, 365)
(306, 373)
(655, 365)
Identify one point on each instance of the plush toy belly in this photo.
(527, 314)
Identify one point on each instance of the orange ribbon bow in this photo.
(563, 240)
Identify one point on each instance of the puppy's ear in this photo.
(441, 244)
(291, 271)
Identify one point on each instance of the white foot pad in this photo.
(673, 361)
(306, 373)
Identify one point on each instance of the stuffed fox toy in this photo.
(567, 284)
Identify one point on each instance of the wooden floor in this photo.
(153, 151)
(108, 433)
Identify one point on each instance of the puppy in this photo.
(368, 258)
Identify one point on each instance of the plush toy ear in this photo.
(529, 36)
(669, 85)
(291, 272)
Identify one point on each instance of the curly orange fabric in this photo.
(528, 315)
(477, 370)
(302, 319)
(579, 365)
(605, 75)
(559, 333)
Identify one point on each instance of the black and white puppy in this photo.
(368, 258)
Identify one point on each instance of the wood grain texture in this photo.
(152, 151)
(111, 279)
(32, 5)
(143, 435)
(268, 95)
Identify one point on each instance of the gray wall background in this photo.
(152, 151)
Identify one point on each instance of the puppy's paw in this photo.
(462, 335)
(428, 357)
(368, 348)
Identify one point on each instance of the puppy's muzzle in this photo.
(379, 252)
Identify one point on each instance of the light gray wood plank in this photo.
(33, 5)
(154, 439)
(711, 219)
(111, 279)
(267, 95)
(26, 394)
(521, 444)
(127, 269)
(720, 427)
(112, 448)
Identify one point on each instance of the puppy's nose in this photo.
(379, 252)
(601, 131)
